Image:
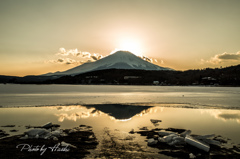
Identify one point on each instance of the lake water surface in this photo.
(12, 95)
(204, 110)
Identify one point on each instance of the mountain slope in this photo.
(118, 60)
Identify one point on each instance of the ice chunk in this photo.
(196, 143)
(47, 125)
(173, 142)
(192, 156)
(206, 139)
(178, 138)
(56, 132)
(143, 128)
(160, 139)
(173, 139)
(185, 133)
(155, 137)
(212, 142)
(155, 121)
(152, 141)
(37, 131)
(47, 136)
(165, 133)
(132, 131)
(72, 131)
(169, 138)
(24, 137)
(221, 139)
(205, 136)
(67, 144)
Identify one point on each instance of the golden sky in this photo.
(41, 36)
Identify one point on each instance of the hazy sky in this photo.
(40, 36)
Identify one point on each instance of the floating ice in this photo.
(43, 133)
(197, 143)
(155, 121)
(57, 133)
(165, 133)
(37, 131)
(185, 133)
(192, 156)
(47, 125)
(67, 144)
(201, 142)
(205, 136)
(152, 142)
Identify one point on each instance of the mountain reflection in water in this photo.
(126, 117)
(114, 111)
(119, 111)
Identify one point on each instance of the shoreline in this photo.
(70, 84)
(151, 104)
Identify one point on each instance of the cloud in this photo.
(75, 113)
(224, 57)
(151, 60)
(64, 52)
(158, 61)
(84, 54)
(79, 54)
(66, 61)
(76, 57)
(96, 56)
(147, 59)
(60, 60)
(225, 115)
(229, 56)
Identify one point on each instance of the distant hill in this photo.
(8, 79)
(226, 76)
(229, 76)
(26, 79)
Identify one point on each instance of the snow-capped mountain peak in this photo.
(117, 60)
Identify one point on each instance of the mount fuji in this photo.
(117, 60)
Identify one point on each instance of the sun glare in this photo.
(131, 45)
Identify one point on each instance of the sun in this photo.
(131, 45)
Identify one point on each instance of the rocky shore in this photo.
(69, 143)
(50, 141)
(163, 139)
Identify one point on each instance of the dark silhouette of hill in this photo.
(229, 76)
(225, 76)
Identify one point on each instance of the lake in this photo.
(203, 110)
(14, 95)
